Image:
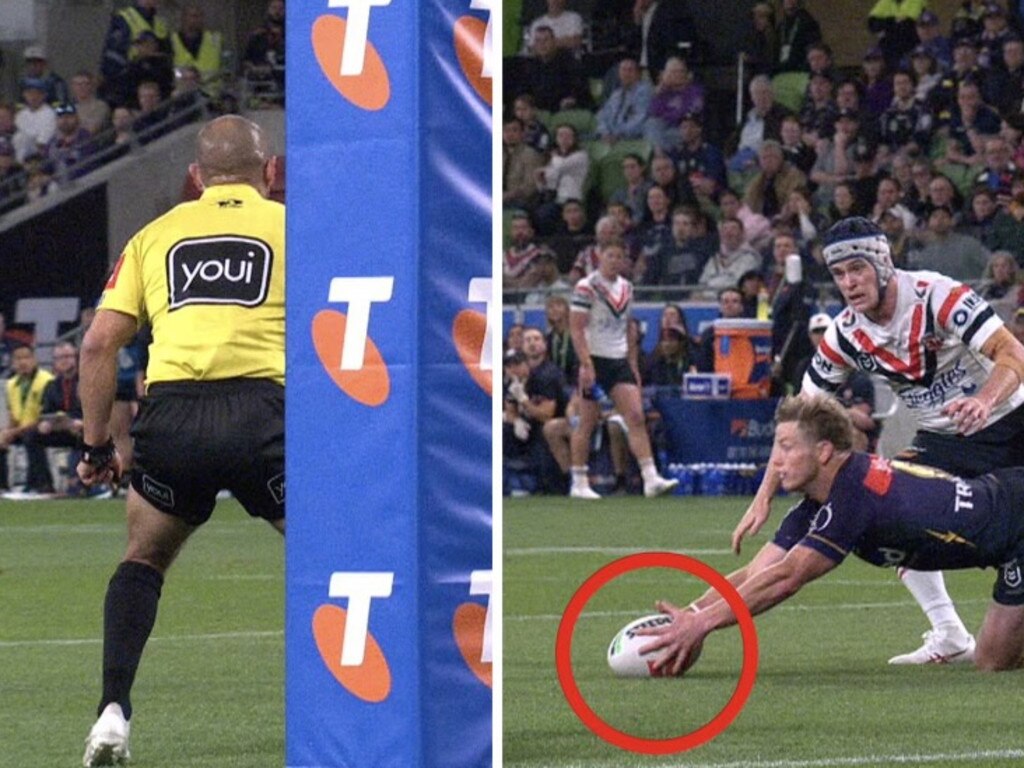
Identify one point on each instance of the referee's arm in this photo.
(110, 330)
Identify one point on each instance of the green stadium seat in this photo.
(583, 120)
(789, 89)
(610, 167)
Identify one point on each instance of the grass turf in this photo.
(210, 688)
(824, 694)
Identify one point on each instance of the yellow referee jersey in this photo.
(209, 277)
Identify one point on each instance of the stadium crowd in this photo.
(151, 78)
(609, 135)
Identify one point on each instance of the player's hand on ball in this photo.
(681, 641)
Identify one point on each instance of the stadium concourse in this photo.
(623, 122)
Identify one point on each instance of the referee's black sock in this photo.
(129, 613)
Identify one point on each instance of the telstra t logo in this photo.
(343, 637)
(471, 627)
(472, 333)
(474, 48)
(343, 343)
(347, 57)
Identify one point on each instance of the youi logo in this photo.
(350, 62)
(474, 48)
(343, 342)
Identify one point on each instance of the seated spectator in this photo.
(995, 32)
(942, 192)
(35, 123)
(699, 161)
(958, 256)
(970, 122)
(40, 181)
(60, 423)
(535, 133)
(733, 258)
(819, 111)
(849, 101)
(521, 163)
(566, 26)
(756, 305)
(999, 170)
(887, 200)
(13, 179)
(677, 96)
(876, 83)
(800, 216)
(36, 67)
(559, 339)
(797, 152)
(150, 65)
(513, 339)
(917, 195)
(755, 225)
(906, 125)
(665, 174)
(866, 173)
(797, 31)
(835, 163)
(1004, 88)
(25, 405)
(520, 254)
(119, 49)
(70, 146)
(542, 278)
(148, 120)
(1001, 285)
(264, 57)
(563, 177)
(763, 122)
(623, 115)
(930, 40)
(730, 306)
(775, 179)
(967, 19)
(682, 262)
(606, 231)
(843, 204)
(944, 96)
(979, 219)
(630, 233)
(93, 112)
(783, 245)
(634, 193)
(819, 60)
(899, 238)
(655, 238)
(195, 46)
(927, 76)
(1008, 227)
(761, 42)
(552, 75)
(671, 359)
(572, 234)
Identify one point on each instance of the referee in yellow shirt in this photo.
(208, 277)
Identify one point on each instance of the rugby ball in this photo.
(624, 657)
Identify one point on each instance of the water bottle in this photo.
(714, 481)
(685, 487)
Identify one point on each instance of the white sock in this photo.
(579, 477)
(648, 470)
(929, 589)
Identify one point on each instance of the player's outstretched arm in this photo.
(759, 510)
(767, 556)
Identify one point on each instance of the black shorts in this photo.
(1009, 586)
(193, 439)
(126, 392)
(610, 371)
(995, 447)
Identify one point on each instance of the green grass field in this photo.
(210, 690)
(824, 694)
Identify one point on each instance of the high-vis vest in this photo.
(137, 24)
(207, 60)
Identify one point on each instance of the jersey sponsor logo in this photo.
(879, 476)
(472, 333)
(474, 48)
(347, 647)
(218, 270)
(343, 343)
(949, 537)
(157, 492)
(751, 428)
(892, 557)
(471, 628)
(349, 61)
(276, 487)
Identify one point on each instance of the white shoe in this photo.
(659, 487)
(939, 649)
(107, 742)
(583, 492)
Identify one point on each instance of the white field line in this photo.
(248, 635)
(521, 551)
(823, 762)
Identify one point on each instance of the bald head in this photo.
(231, 150)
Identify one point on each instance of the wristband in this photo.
(98, 456)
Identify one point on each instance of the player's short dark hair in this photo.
(819, 417)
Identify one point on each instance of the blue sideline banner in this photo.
(388, 560)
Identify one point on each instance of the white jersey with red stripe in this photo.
(930, 352)
(607, 302)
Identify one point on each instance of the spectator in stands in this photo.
(761, 42)
(35, 123)
(559, 340)
(819, 60)
(756, 225)
(683, 262)
(188, 97)
(632, 234)
(819, 111)
(999, 170)
(665, 174)
(655, 238)
(848, 99)
(730, 306)
(699, 161)
(552, 75)
(543, 278)
(957, 256)
(927, 76)
(40, 181)
(195, 46)
(36, 67)
(122, 122)
(944, 96)
(264, 57)
(797, 30)
(979, 219)
(970, 121)
(995, 32)
(606, 231)
(763, 122)
(835, 163)
(563, 177)
(1012, 130)
(800, 217)
(150, 115)
(25, 405)
(1004, 87)
(799, 154)
(967, 19)
(671, 359)
(93, 112)
(567, 26)
(520, 165)
(907, 123)
(775, 179)
(733, 258)
(1001, 285)
(572, 235)
(898, 236)
(7, 346)
(931, 39)
(663, 28)
(942, 192)
(893, 23)
(60, 423)
(634, 193)
(70, 145)
(150, 65)
(755, 295)
(678, 95)
(522, 250)
(623, 115)
(887, 199)
(12, 179)
(119, 49)
(514, 338)
(876, 83)
(535, 133)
